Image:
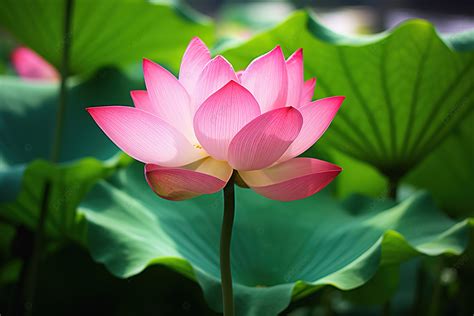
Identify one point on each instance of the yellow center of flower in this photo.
(197, 146)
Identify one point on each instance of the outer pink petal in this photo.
(291, 180)
(294, 66)
(30, 65)
(169, 99)
(214, 76)
(197, 55)
(267, 79)
(308, 91)
(145, 137)
(262, 141)
(239, 74)
(222, 115)
(205, 176)
(317, 116)
(142, 101)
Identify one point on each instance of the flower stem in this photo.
(226, 236)
(56, 150)
(30, 271)
(393, 188)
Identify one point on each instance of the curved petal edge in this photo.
(294, 179)
(205, 176)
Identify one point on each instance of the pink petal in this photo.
(308, 91)
(239, 75)
(217, 73)
(222, 115)
(30, 65)
(205, 176)
(169, 99)
(262, 141)
(317, 116)
(142, 101)
(197, 55)
(145, 137)
(294, 66)
(291, 180)
(267, 79)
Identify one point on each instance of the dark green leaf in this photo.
(106, 32)
(28, 113)
(449, 171)
(406, 89)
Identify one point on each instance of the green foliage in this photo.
(448, 172)
(406, 89)
(106, 32)
(409, 107)
(28, 112)
(70, 183)
(280, 251)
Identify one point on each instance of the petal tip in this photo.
(296, 56)
(148, 63)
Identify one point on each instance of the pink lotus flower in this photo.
(192, 132)
(29, 65)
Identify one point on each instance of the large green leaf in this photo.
(449, 171)
(280, 251)
(406, 89)
(28, 113)
(106, 32)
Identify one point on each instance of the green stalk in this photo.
(392, 194)
(393, 188)
(31, 271)
(226, 236)
(67, 36)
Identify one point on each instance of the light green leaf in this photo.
(28, 113)
(406, 89)
(106, 32)
(280, 251)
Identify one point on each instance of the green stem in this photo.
(31, 271)
(386, 308)
(436, 299)
(392, 188)
(392, 194)
(226, 236)
(419, 291)
(33, 264)
(56, 150)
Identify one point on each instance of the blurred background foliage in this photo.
(406, 126)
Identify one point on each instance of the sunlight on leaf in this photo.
(280, 251)
(406, 89)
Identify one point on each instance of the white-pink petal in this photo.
(195, 57)
(266, 77)
(294, 66)
(217, 73)
(221, 116)
(308, 91)
(291, 180)
(142, 101)
(317, 116)
(261, 142)
(168, 97)
(145, 137)
(205, 176)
